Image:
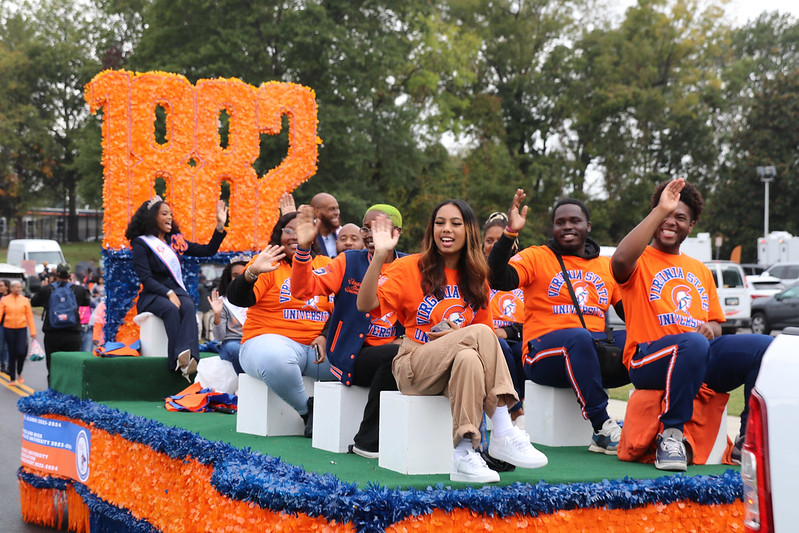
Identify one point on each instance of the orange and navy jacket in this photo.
(277, 311)
(400, 291)
(349, 329)
(548, 305)
(16, 313)
(667, 294)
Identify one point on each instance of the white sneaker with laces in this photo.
(515, 448)
(471, 468)
(606, 440)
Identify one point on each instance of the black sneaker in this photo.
(497, 465)
(735, 455)
(308, 433)
(363, 452)
(670, 453)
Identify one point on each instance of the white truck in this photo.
(769, 459)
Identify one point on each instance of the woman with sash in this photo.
(158, 250)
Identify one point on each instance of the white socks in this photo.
(501, 421)
(464, 446)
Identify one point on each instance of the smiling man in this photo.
(674, 340)
(328, 222)
(558, 351)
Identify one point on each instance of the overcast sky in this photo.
(743, 10)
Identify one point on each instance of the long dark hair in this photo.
(143, 221)
(472, 263)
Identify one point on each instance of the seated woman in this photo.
(228, 318)
(441, 298)
(283, 337)
(558, 350)
(158, 249)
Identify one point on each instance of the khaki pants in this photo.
(466, 366)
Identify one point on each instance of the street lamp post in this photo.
(767, 175)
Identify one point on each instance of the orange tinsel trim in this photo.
(43, 507)
(681, 516)
(77, 512)
(176, 495)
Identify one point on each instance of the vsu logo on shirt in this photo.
(585, 284)
(383, 326)
(432, 310)
(681, 295)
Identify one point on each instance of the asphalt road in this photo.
(35, 374)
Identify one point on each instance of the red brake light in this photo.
(755, 469)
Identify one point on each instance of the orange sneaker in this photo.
(20, 380)
(13, 383)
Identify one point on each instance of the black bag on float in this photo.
(610, 355)
(611, 363)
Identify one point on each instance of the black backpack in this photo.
(63, 307)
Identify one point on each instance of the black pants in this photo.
(373, 370)
(180, 325)
(17, 344)
(60, 341)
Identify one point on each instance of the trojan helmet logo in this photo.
(581, 292)
(681, 296)
(313, 303)
(385, 319)
(508, 305)
(455, 313)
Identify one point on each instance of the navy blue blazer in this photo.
(155, 276)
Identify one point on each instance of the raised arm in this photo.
(633, 245)
(501, 275)
(385, 238)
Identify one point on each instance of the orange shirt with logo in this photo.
(547, 304)
(277, 311)
(400, 290)
(667, 294)
(507, 307)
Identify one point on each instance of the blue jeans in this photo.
(229, 351)
(281, 362)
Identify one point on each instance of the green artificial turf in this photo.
(566, 465)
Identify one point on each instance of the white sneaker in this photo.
(471, 468)
(606, 440)
(515, 448)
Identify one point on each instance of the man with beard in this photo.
(361, 348)
(558, 351)
(675, 342)
(328, 222)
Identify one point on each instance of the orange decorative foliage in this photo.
(192, 161)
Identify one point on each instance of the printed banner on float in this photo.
(56, 447)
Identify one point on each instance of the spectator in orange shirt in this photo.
(16, 315)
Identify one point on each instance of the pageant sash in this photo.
(166, 254)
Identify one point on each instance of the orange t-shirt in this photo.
(547, 304)
(307, 282)
(276, 311)
(665, 295)
(16, 313)
(400, 290)
(507, 307)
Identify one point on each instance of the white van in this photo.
(735, 296)
(39, 251)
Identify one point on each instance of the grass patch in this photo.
(734, 406)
